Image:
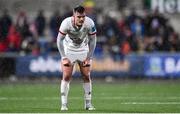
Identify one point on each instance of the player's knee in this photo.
(86, 78)
(66, 78)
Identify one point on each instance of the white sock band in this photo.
(87, 90)
(64, 91)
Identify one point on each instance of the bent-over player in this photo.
(76, 43)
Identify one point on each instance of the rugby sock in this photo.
(64, 91)
(87, 92)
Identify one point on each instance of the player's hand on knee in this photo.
(66, 62)
(86, 62)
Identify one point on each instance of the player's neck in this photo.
(78, 27)
(75, 25)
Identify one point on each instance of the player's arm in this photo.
(92, 39)
(61, 36)
(92, 45)
(60, 45)
(65, 60)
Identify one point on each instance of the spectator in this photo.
(155, 22)
(125, 48)
(130, 38)
(40, 23)
(175, 42)
(22, 25)
(55, 21)
(3, 45)
(5, 23)
(131, 18)
(14, 40)
(137, 28)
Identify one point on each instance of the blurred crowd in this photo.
(150, 32)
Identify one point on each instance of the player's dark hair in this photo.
(79, 9)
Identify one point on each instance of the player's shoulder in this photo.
(67, 20)
(89, 21)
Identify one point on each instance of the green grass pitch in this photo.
(134, 97)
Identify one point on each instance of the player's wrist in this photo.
(89, 58)
(62, 58)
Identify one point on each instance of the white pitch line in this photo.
(29, 98)
(139, 97)
(151, 103)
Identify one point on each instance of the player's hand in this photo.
(86, 62)
(66, 62)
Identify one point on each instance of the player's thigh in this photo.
(67, 69)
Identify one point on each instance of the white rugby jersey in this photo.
(77, 38)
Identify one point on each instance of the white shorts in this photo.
(76, 55)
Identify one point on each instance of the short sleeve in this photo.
(63, 27)
(92, 29)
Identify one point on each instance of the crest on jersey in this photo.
(93, 29)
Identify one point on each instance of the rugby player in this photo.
(76, 42)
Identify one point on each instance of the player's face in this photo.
(79, 18)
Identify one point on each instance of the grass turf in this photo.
(133, 97)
